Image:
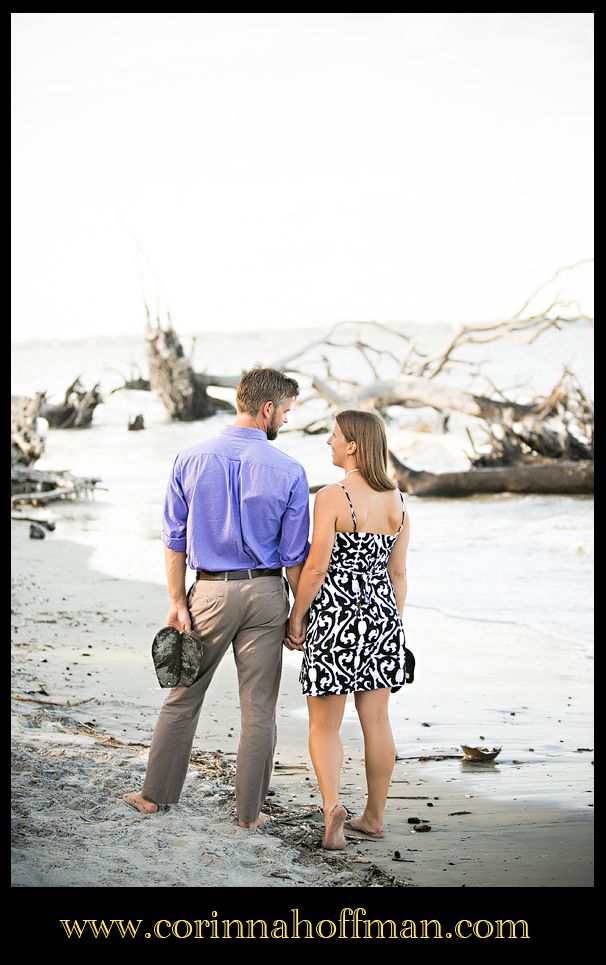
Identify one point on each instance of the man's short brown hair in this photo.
(260, 385)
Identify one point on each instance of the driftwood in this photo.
(27, 444)
(48, 524)
(76, 410)
(136, 382)
(548, 476)
(38, 488)
(543, 445)
(558, 427)
(182, 391)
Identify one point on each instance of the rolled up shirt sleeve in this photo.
(294, 535)
(174, 514)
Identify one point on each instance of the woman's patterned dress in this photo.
(355, 637)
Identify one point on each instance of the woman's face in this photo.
(338, 443)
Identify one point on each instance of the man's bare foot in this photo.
(251, 825)
(334, 839)
(364, 826)
(136, 800)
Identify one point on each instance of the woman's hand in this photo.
(295, 633)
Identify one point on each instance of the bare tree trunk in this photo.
(172, 378)
(27, 445)
(550, 476)
(76, 410)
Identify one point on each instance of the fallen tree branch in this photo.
(34, 486)
(52, 703)
(550, 476)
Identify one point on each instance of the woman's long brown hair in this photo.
(367, 430)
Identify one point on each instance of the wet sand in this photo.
(81, 660)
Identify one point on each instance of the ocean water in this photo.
(526, 560)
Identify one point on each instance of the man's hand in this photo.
(290, 643)
(179, 617)
(295, 633)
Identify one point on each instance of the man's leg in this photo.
(258, 655)
(216, 615)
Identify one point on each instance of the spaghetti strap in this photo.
(403, 513)
(353, 515)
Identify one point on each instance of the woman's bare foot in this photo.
(364, 826)
(251, 825)
(334, 839)
(136, 800)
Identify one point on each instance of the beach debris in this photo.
(376, 877)
(136, 382)
(53, 703)
(422, 827)
(182, 391)
(136, 424)
(410, 797)
(36, 531)
(530, 443)
(431, 757)
(429, 804)
(581, 749)
(295, 769)
(76, 410)
(452, 814)
(414, 820)
(36, 487)
(480, 753)
(27, 436)
(40, 520)
(425, 725)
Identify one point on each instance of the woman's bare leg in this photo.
(325, 717)
(379, 758)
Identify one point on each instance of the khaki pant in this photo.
(250, 615)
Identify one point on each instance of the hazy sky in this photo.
(291, 170)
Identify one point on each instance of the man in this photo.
(236, 511)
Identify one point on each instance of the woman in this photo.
(347, 618)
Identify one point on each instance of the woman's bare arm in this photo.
(397, 564)
(316, 564)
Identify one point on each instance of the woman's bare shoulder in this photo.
(331, 491)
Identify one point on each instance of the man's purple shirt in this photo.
(235, 502)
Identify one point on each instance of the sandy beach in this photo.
(85, 701)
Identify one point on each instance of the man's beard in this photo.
(272, 430)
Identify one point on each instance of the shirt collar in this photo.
(243, 432)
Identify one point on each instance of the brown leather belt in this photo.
(236, 574)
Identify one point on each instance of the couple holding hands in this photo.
(237, 512)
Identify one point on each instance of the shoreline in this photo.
(80, 635)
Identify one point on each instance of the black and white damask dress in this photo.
(355, 637)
